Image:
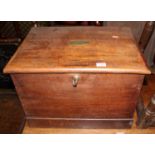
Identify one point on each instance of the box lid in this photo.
(78, 49)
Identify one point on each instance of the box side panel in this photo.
(96, 95)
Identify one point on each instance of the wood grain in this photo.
(80, 123)
(135, 26)
(147, 92)
(29, 130)
(97, 96)
(78, 49)
(133, 130)
(110, 69)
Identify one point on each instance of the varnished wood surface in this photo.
(96, 95)
(135, 26)
(147, 92)
(51, 99)
(80, 123)
(78, 49)
(133, 130)
(29, 130)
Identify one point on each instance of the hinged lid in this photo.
(78, 49)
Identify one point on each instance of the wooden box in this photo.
(79, 77)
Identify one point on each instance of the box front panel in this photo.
(97, 96)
